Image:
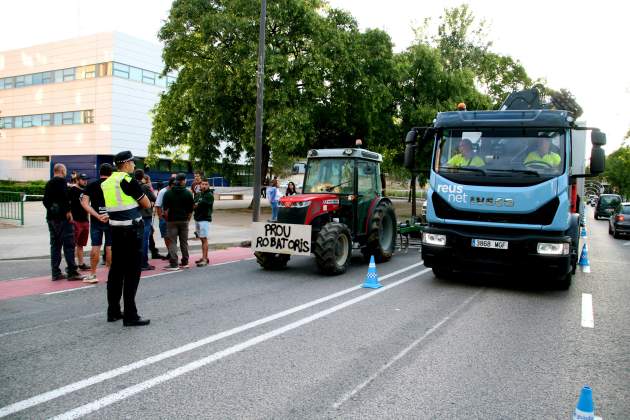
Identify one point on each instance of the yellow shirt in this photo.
(461, 160)
(550, 158)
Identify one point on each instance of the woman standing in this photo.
(291, 189)
(273, 195)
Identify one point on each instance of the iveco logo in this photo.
(491, 201)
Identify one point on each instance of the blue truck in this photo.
(505, 189)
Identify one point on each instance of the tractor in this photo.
(343, 202)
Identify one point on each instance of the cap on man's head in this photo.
(180, 177)
(123, 157)
(84, 176)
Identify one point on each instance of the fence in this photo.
(12, 206)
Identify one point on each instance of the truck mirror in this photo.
(598, 138)
(410, 150)
(598, 159)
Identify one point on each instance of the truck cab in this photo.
(502, 192)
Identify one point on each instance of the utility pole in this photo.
(260, 87)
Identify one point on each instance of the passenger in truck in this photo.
(466, 156)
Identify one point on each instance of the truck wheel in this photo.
(564, 282)
(333, 248)
(381, 241)
(270, 261)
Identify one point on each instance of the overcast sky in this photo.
(578, 45)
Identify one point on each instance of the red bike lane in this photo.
(10, 289)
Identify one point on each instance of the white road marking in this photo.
(174, 373)
(402, 354)
(69, 290)
(587, 311)
(626, 244)
(59, 392)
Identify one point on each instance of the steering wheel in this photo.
(538, 164)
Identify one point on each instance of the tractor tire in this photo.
(381, 239)
(333, 249)
(271, 261)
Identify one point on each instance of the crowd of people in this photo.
(271, 191)
(118, 209)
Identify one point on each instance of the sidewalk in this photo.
(231, 225)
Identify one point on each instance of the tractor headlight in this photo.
(544, 248)
(433, 239)
(299, 204)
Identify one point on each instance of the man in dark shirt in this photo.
(94, 203)
(80, 219)
(147, 218)
(178, 205)
(204, 202)
(59, 218)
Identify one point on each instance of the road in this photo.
(233, 341)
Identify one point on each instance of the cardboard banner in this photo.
(281, 238)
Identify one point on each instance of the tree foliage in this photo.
(618, 170)
(326, 82)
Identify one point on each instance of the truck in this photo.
(342, 206)
(505, 189)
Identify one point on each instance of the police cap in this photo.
(123, 157)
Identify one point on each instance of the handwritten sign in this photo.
(281, 238)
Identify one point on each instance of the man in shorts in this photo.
(204, 202)
(80, 218)
(161, 217)
(94, 203)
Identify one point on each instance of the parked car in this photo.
(606, 205)
(619, 222)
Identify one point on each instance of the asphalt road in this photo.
(233, 341)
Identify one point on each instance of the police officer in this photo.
(123, 199)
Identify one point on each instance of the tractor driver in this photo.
(466, 156)
(544, 155)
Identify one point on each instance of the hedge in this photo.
(33, 187)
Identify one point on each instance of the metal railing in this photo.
(12, 206)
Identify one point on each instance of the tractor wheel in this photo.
(381, 240)
(333, 248)
(270, 261)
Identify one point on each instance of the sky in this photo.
(578, 45)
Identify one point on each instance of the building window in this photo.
(69, 74)
(45, 120)
(36, 120)
(19, 81)
(27, 121)
(121, 70)
(68, 118)
(86, 72)
(88, 116)
(148, 77)
(17, 122)
(135, 74)
(37, 79)
(58, 76)
(105, 69)
(57, 118)
(47, 77)
(35, 162)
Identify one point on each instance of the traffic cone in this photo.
(371, 279)
(586, 266)
(585, 409)
(583, 234)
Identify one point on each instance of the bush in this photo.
(32, 187)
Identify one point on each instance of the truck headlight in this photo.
(433, 239)
(544, 248)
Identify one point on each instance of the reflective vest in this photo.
(460, 160)
(122, 209)
(551, 158)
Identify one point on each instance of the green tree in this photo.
(618, 170)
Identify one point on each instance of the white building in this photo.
(85, 99)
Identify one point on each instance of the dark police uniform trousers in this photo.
(124, 273)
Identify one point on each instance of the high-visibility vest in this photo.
(122, 209)
(551, 158)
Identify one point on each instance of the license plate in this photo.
(489, 243)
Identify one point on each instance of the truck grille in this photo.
(543, 216)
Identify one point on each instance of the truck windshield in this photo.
(501, 152)
(329, 175)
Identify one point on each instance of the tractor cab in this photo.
(342, 200)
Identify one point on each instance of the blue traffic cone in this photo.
(583, 234)
(585, 409)
(586, 266)
(371, 279)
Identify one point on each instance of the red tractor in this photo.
(343, 203)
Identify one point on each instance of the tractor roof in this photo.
(540, 118)
(344, 153)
